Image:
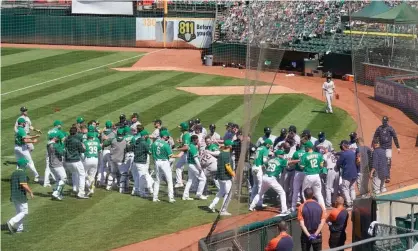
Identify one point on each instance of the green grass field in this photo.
(110, 219)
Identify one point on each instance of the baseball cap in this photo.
(144, 133)
(279, 152)
(52, 135)
(90, 135)
(23, 109)
(122, 116)
(353, 135)
(108, 124)
(228, 142)
(306, 132)
(91, 128)
(135, 115)
(229, 124)
(164, 134)
(21, 120)
(158, 121)
(267, 129)
(22, 162)
(385, 118)
(197, 121)
(283, 131)
(120, 131)
(292, 128)
(212, 126)
(80, 120)
(268, 142)
(57, 122)
(321, 135)
(308, 144)
(184, 126)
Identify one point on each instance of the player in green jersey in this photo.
(224, 175)
(195, 171)
(272, 171)
(129, 153)
(22, 150)
(91, 161)
(312, 164)
(161, 153)
(261, 159)
(185, 143)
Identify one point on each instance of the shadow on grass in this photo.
(9, 163)
(317, 111)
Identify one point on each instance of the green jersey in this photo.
(192, 153)
(135, 138)
(128, 138)
(223, 159)
(312, 163)
(275, 167)
(160, 150)
(141, 151)
(261, 153)
(92, 148)
(186, 138)
(53, 131)
(20, 134)
(297, 156)
(18, 193)
(213, 147)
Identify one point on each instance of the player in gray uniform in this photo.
(214, 136)
(307, 135)
(108, 133)
(267, 135)
(385, 133)
(156, 133)
(134, 121)
(117, 154)
(28, 125)
(332, 178)
(56, 150)
(353, 141)
(204, 131)
(363, 155)
(322, 142)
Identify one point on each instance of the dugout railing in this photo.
(254, 236)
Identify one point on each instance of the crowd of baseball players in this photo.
(111, 156)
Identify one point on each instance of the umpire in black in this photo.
(384, 134)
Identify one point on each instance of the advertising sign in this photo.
(174, 32)
(103, 8)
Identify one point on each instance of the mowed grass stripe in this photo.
(61, 73)
(59, 88)
(28, 56)
(48, 63)
(300, 115)
(11, 51)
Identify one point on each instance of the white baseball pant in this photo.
(257, 182)
(162, 168)
(179, 168)
(142, 182)
(348, 191)
(267, 183)
(313, 181)
(224, 188)
(61, 178)
(378, 184)
(297, 188)
(21, 211)
(48, 172)
(331, 187)
(90, 166)
(24, 152)
(286, 181)
(79, 177)
(104, 167)
(329, 97)
(129, 160)
(195, 174)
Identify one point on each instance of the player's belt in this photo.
(91, 157)
(272, 176)
(161, 160)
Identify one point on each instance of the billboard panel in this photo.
(102, 8)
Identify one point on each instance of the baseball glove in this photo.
(337, 96)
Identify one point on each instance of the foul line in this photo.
(73, 74)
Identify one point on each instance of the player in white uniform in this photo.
(214, 136)
(208, 159)
(134, 120)
(333, 177)
(296, 137)
(201, 136)
(267, 135)
(353, 142)
(204, 131)
(156, 133)
(28, 125)
(328, 88)
(322, 142)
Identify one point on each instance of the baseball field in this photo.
(63, 84)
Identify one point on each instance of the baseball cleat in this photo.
(56, 197)
(90, 193)
(251, 209)
(171, 200)
(202, 197)
(47, 185)
(10, 227)
(155, 200)
(187, 198)
(82, 197)
(225, 213)
(36, 179)
(212, 209)
(178, 185)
